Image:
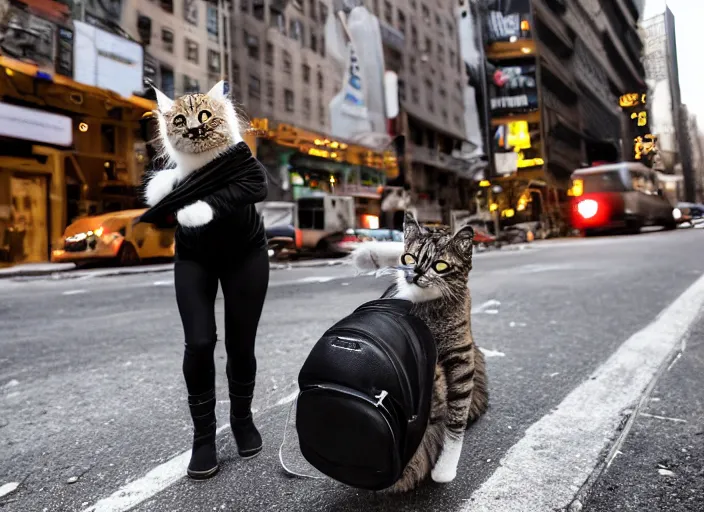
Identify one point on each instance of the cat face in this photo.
(437, 262)
(197, 123)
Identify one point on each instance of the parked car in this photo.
(353, 238)
(112, 237)
(624, 196)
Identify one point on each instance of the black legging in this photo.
(244, 285)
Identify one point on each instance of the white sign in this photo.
(106, 60)
(35, 125)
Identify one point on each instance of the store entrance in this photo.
(26, 237)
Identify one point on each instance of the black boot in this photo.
(247, 437)
(204, 457)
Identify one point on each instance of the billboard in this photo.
(35, 125)
(106, 60)
(514, 90)
(508, 20)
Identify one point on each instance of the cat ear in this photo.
(411, 228)
(163, 101)
(218, 91)
(463, 242)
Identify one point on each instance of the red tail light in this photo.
(299, 238)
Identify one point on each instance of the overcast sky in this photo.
(689, 15)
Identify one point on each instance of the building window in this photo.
(442, 92)
(212, 22)
(252, 43)
(167, 40)
(167, 81)
(414, 37)
(306, 73)
(191, 51)
(269, 54)
(402, 22)
(388, 12)
(415, 94)
(445, 117)
(167, 5)
(441, 55)
(453, 58)
(277, 20)
(213, 61)
(438, 21)
(414, 5)
(270, 93)
(314, 42)
(457, 120)
(288, 66)
(311, 9)
(321, 80)
(258, 9)
(426, 14)
(450, 30)
(254, 87)
(413, 66)
(244, 5)
(306, 108)
(236, 74)
(323, 10)
(190, 85)
(289, 100)
(322, 46)
(428, 47)
(190, 11)
(296, 30)
(321, 114)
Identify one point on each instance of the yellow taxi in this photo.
(112, 237)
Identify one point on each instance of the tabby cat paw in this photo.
(194, 215)
(443, 475)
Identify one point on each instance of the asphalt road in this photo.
(92, 403)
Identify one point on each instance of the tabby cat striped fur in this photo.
(437, 269)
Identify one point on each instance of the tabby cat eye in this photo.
(180, 120)
(441, 267)
(408, 259)
(204, 115)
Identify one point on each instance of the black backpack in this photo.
(365, 393)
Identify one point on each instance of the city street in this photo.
(93, 413)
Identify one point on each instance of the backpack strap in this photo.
(286, 469)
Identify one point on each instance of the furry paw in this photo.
(372, 256)
(443, 475)
(194, 215)
(160, 184)
(445, 469)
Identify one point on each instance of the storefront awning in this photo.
(18, 80)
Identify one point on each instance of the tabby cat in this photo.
(437, 266)
(194, 129)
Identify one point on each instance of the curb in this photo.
(73, 273)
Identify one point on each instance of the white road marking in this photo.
(490, 305)
(545, 469)
(492, 353)
(74, 292)
(168, 282)
(288, 399)
(6, 489)
(676, 420)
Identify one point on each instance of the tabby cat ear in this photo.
(163, 101)
(462, 242)
(411, 228)
(218, 91)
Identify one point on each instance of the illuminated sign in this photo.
(518, 135)
(632, 99)
(642, 117)
(528, 162)
(644, 145)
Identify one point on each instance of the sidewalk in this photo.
(661, 464)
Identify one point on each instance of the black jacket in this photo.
(231, 184)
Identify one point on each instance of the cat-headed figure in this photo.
(193, 130)
(433, 267)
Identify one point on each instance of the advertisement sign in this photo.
(508, 20)
(514, 89)
(35, 125)
(106, 60)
